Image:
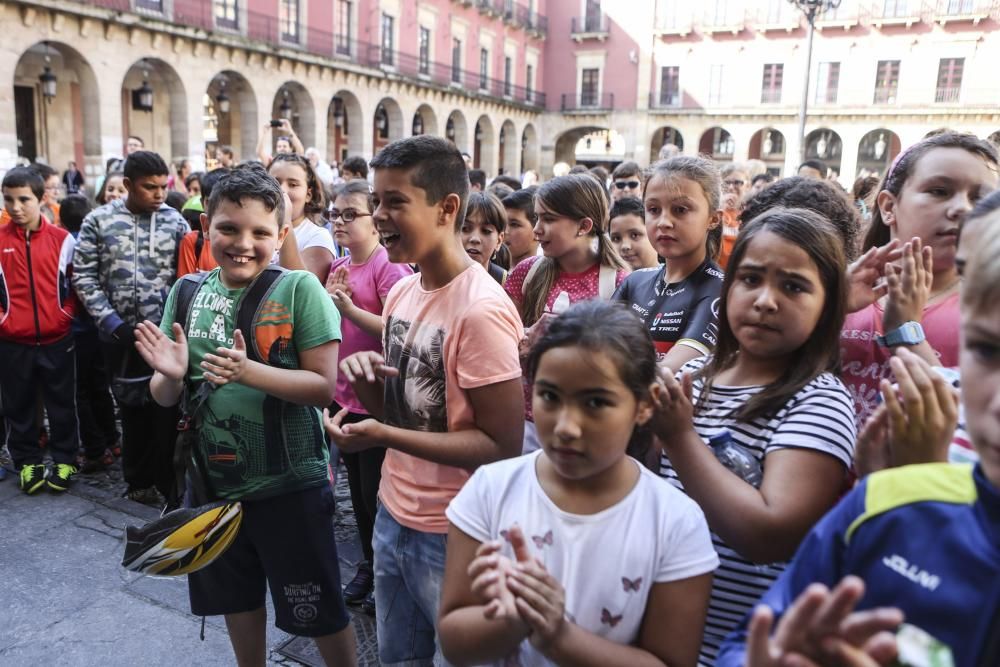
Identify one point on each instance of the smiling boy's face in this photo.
(410, 227)
(244, 237)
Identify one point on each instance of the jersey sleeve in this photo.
(623, 293)
(701, 329)
(316, 319)
(820, 558)
(821, 417)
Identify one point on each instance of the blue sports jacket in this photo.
(924, 538)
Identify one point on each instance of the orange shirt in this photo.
(730, 229)
(187, 262)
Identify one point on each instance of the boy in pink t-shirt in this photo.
(447, 387)
(359, 285)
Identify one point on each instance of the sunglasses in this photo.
(348, 215)
(621, 185)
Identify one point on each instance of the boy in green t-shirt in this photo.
(260, 434)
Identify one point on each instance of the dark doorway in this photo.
(24, 119)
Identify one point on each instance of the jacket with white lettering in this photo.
(924, 538)
(37, 304)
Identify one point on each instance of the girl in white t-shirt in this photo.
(769, 389)
(576, 553)
(298, 180)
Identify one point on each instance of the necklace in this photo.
(368, 257)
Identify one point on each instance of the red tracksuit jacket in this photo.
(37, 303)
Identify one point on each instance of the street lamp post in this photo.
(811, 9)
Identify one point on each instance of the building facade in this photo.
(518, 84)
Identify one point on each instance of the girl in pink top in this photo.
(925, 197)
(578, 261)
(358, 285)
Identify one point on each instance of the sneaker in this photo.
(361, 585)
(32, 478)
(367, 605)
(60, 477)
(148, 496)
(103, 462)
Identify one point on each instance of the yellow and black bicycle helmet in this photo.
(182, 541)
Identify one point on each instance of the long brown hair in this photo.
(575, 196)
(821, 351)
(316, 204)
(878, 232)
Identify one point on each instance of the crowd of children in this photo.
(674, 416)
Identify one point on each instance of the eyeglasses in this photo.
(735, 183)
(631, 185)
(348, 215)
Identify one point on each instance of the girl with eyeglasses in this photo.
(358, 285)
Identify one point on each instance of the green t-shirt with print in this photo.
(251, 444)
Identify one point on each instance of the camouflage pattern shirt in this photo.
(125, 264)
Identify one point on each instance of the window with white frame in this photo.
(288, 20)
(827, 82)
(424, 50)
(670, 87)
(344, 27)
(388, 39)
(590, 87)
(715, 85)
(227, 14)
(456, 60)
(484, 68)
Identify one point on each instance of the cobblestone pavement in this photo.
(67, 600)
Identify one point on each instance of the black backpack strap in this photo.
(190, 284)
(248, 309)
(198, 245)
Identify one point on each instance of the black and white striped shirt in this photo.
(821, 417)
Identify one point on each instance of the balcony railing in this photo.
(770, 96)
(591, 25)
(665, 99)
(885, 95)
(586, 101)
(269, 30)
(955, 11)
(947, 94)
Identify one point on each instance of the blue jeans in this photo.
(409, 570)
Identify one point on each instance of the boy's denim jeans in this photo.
(409, 570)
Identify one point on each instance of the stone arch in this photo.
(238, 127)
(387, 123)
(456, 130)
(529, 149)
(294, 102)
(484, 146)
(717, 143)
(427, 120)
(345, 127)
(876, 151)
(663, 136)
(566, 142)
(55, 131)
(769, 146)
(508, 149)
(825, 145)
(164, 128)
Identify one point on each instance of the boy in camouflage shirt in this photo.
(125, 264)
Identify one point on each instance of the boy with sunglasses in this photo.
(626, 181)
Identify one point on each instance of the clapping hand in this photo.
(228, 364)
(339, 289)
(167, 357)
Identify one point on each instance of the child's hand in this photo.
(909, 285)
(489, 572)
(352, 438)
(865, 276)
(673, 408)
(541, 602)
(804, 633)
(366, 367)
(229, 364)
(922, 411)
(873, 452)
(338, 288)
(167, 357)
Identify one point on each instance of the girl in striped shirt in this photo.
(770, 387)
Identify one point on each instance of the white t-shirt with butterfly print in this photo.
(607, 561)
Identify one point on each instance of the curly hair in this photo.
(818, 196)
(316, 204)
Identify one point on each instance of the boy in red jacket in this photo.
(37, 306)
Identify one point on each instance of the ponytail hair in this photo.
(575, 196)
(705, 173)
(903, 166)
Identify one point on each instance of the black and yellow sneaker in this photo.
(32, 478)
(60, 477)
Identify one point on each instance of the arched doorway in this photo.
(662, 137)
(508, 149)
(344, 127)
(387, 123)
(566, 143)
(529, 149)
(293, 101)
(424, 121)
(876, 151)
(718, 143)
(605, 148)
(456, 130)
(484, 146)
(65, 125)
(826, 146)
(768, 145)
(154, 108)
(233, 105)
